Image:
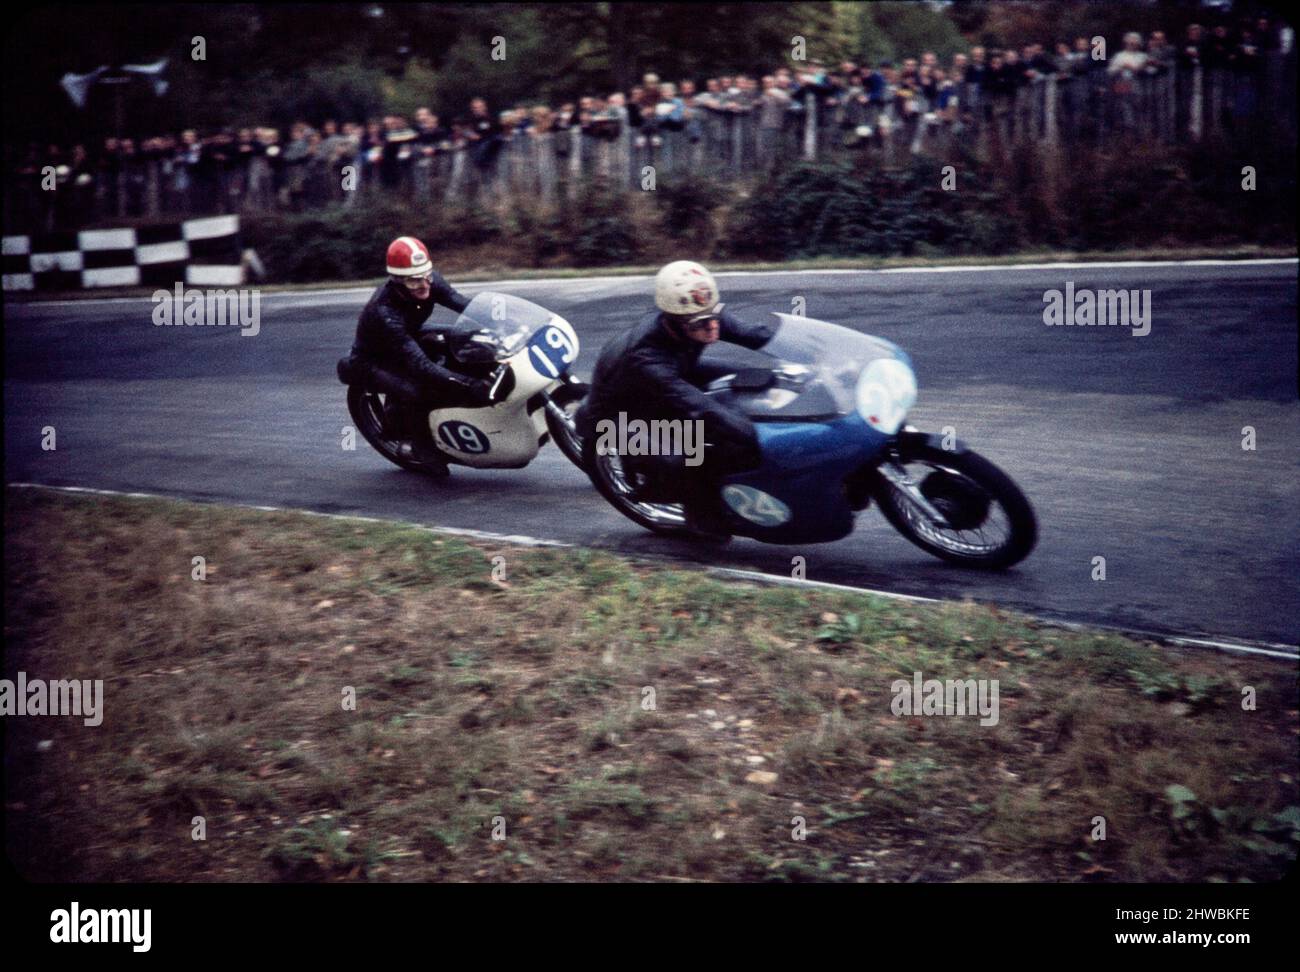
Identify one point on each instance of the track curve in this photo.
(1130, 448)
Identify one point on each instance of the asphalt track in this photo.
(1129, 447)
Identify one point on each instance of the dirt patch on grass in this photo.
(610, 720)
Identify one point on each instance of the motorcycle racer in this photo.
(654, 372)
(391, 351)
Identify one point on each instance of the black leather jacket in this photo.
(389, 328)
(644, 373)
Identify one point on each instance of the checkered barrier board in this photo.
(201, 252)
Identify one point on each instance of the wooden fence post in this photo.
(1050, 93)
(544, 152)
(810, 126)
(456, 184)
(623, 156)
(575, 162)
(1196, 119)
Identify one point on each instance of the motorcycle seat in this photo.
(376, 378)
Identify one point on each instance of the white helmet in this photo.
(685, 288)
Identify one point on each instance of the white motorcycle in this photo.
(526, 352)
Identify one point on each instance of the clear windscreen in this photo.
(821, 362)
(509, 320)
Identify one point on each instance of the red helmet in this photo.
(408, 257)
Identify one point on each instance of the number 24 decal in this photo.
(756, 506)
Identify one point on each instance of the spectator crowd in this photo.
(750, 122)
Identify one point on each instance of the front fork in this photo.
(556, 411)
(895, 473)
(559, 414)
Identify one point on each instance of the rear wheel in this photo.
(990, 523)
(367, 409)
(618, 485)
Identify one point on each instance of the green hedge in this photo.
(1124, 197)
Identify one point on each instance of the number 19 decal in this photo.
(463, 437)
(552, 351)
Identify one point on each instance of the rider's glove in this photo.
(734, 427)
(481, 392)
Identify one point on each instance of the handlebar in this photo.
(498, 377)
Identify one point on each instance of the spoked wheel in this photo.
(367, 410)
(561, 409)
(986, 519)
(618, 485)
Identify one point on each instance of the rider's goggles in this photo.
(703, 320)
(415, 283)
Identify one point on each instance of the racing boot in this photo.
(423, 451)
(706, 514)
(392, 417)
(416, 441)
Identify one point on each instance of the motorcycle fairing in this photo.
(804, 466)
(812, 431)
(538, 347)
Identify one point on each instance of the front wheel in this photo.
(988, 522)
(561, 408)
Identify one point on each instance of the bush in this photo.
(1119, 196)
(598, 230)
(686, 209)
(540, 233)
(337, 243)
(841, 209)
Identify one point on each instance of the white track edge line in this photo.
(1267, 648)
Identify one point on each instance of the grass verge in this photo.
(610, 720)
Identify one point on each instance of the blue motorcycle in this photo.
(829, 411)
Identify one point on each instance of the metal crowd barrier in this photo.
(1178, 105)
